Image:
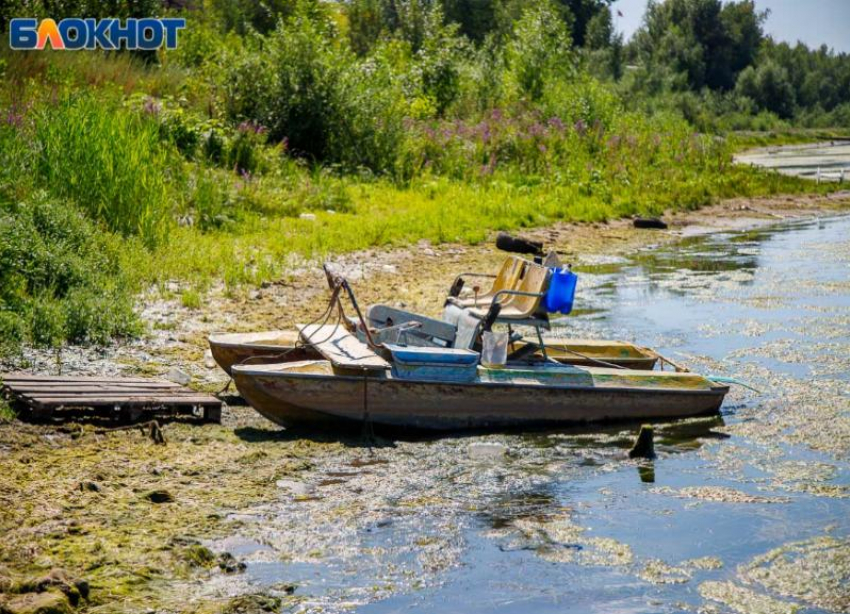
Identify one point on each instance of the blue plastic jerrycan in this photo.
(562, 291)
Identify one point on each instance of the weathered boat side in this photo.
(305, 398)
(590, 352)
(230, 349)
(263, 348)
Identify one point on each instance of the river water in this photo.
(826, 161)
(747, 512)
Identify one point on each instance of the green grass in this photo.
(440, 210)
(792, 136)
(7, 414)
(110, 162)
(191, 299)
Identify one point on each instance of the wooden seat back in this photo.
(535, 281)
(509, 275)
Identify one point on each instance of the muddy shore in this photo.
(148, 528)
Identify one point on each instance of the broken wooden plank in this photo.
(342, 348)
(89, 390)
(85, 401)
(26, 377)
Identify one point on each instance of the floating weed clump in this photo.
(656, 571)
(744, 600)
(559, 540)
(719, 494)
(816, 571)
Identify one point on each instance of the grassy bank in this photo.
(116, 174)
(773, 138)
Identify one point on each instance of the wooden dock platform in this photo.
(125, 398)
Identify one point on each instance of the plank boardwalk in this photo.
(123, 397)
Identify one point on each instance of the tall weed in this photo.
(108, 160)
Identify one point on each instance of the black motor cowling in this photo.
(517, 245)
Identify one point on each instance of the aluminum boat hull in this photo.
(309, 394)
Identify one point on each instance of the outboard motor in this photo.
(517, 245)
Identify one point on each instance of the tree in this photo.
(366, 24)
(581, 13)
(707, 42)
(604, 45)
(476, 18)
(260, 15)
(769, 87)
(540, 50)
(438, 59)
(405, 19)
(743, 35)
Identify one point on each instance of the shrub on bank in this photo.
(61, 277)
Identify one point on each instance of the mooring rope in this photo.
(368, 431)
(299, 344)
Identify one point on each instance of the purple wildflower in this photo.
(490, 167)
(536, 129)
(13, 118)
(16, 114)
(484, 131)
(251, 127)
(152, 106)
(580, 127)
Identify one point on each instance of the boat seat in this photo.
(508, 277)
(524, 302)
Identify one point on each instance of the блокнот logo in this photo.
(27, 34)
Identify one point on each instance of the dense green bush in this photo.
(60, 277)
(304, 103)
(769, 87)
(314, 96)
